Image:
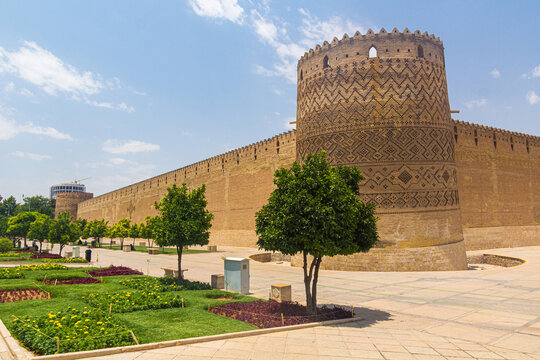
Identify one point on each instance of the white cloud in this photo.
(31, 156)
(42, 68)
(186, 134)
(114, 146)
(532, 98)
(26, 92)
(475, 103)
(495, 73)
(10, 129)
(219, 9)
(117, 161)
(536, 71)
(9, 87)
(313, 31)
(122, 106)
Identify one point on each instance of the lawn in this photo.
(13, 257)
(148, 325)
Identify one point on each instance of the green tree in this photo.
(184, 219)
(120, 230)
(150, 230)
(39, 204)
(39, 229)
(96, 229)
(19, 224)
(134, 231)
(9, 207)
(63, 230)
(3, 225)
(5, 245)
(315, 211)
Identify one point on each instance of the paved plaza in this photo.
(475, 314)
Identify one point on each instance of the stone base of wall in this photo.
(270, 257)
(242, 238)
(501, 237)
(430, 258)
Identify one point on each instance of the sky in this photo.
(119, 91)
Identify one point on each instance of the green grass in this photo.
(148, 325)
(169, 251)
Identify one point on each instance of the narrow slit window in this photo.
(475, 137)
(420, 52)
(301, 75)
(455, 133)
(494, 141)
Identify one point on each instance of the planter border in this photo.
(20, 353)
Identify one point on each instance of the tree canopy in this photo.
(19, 225)
(120, 230)
(39, 229)
(184, 219)
(63, 231)
(315, 211)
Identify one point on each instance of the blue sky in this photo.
(119, 91)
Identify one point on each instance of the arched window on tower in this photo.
(420, 52)
(372, 52)
(325, 63)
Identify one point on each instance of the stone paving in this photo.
(476, 314)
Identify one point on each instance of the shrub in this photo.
(185, 284)
(33, 267)
(11, 273)
(5, 245)
(114, 271)
(267, 314)
(76, 330)
(128, 301)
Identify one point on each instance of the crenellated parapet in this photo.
(495, 139)
(360, 48)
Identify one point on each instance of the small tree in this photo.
(120, 230)
(96, 229)
(150, 229)
(315, 211)
(184, 219)
(3, 225)
(134, 232)
(63, 231)
(19, 224)
(39, 229)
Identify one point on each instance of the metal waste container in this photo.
(88, 255)
(237, 275)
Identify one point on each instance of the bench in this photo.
(153, 251)
(173, 271)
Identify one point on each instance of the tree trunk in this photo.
(121, 243)
(61, 248)
(314, 285)
(179, 252)
(25, 241)
(308, 276)
(40, 246)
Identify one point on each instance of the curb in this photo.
(22, 354)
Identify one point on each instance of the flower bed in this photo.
(45, 256)
(114, 271)
(267, 314)
(88, 280)
(11, 273)
(132, 301)
(22, 294)
(65, 260)
(25, 251)
(14, 260)
(70, 330)
(42, 267)
(149, 284)
(10, 254)
(185, 284)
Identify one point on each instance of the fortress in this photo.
(377, 101)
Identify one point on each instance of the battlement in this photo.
(374, 38)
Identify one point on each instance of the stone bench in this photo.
(127, 248)
(168, 271)
(211, 248)
(153, 251)
(218, 281)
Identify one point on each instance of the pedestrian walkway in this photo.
(476, 314)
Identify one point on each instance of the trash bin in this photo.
(88, 255)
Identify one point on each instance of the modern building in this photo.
(66, 187)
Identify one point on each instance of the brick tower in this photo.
(380, 102)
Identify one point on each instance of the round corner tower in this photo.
(380, 102)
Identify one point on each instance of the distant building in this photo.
(66, 188)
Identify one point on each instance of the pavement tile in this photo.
(397, 355)
(199, 351)
(452, 352)
(265, 355)
(484, 355)
(231, 354)
(421, 350)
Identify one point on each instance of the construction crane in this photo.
(78, 181)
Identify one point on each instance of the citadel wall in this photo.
(69, 202)
(238, 183)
